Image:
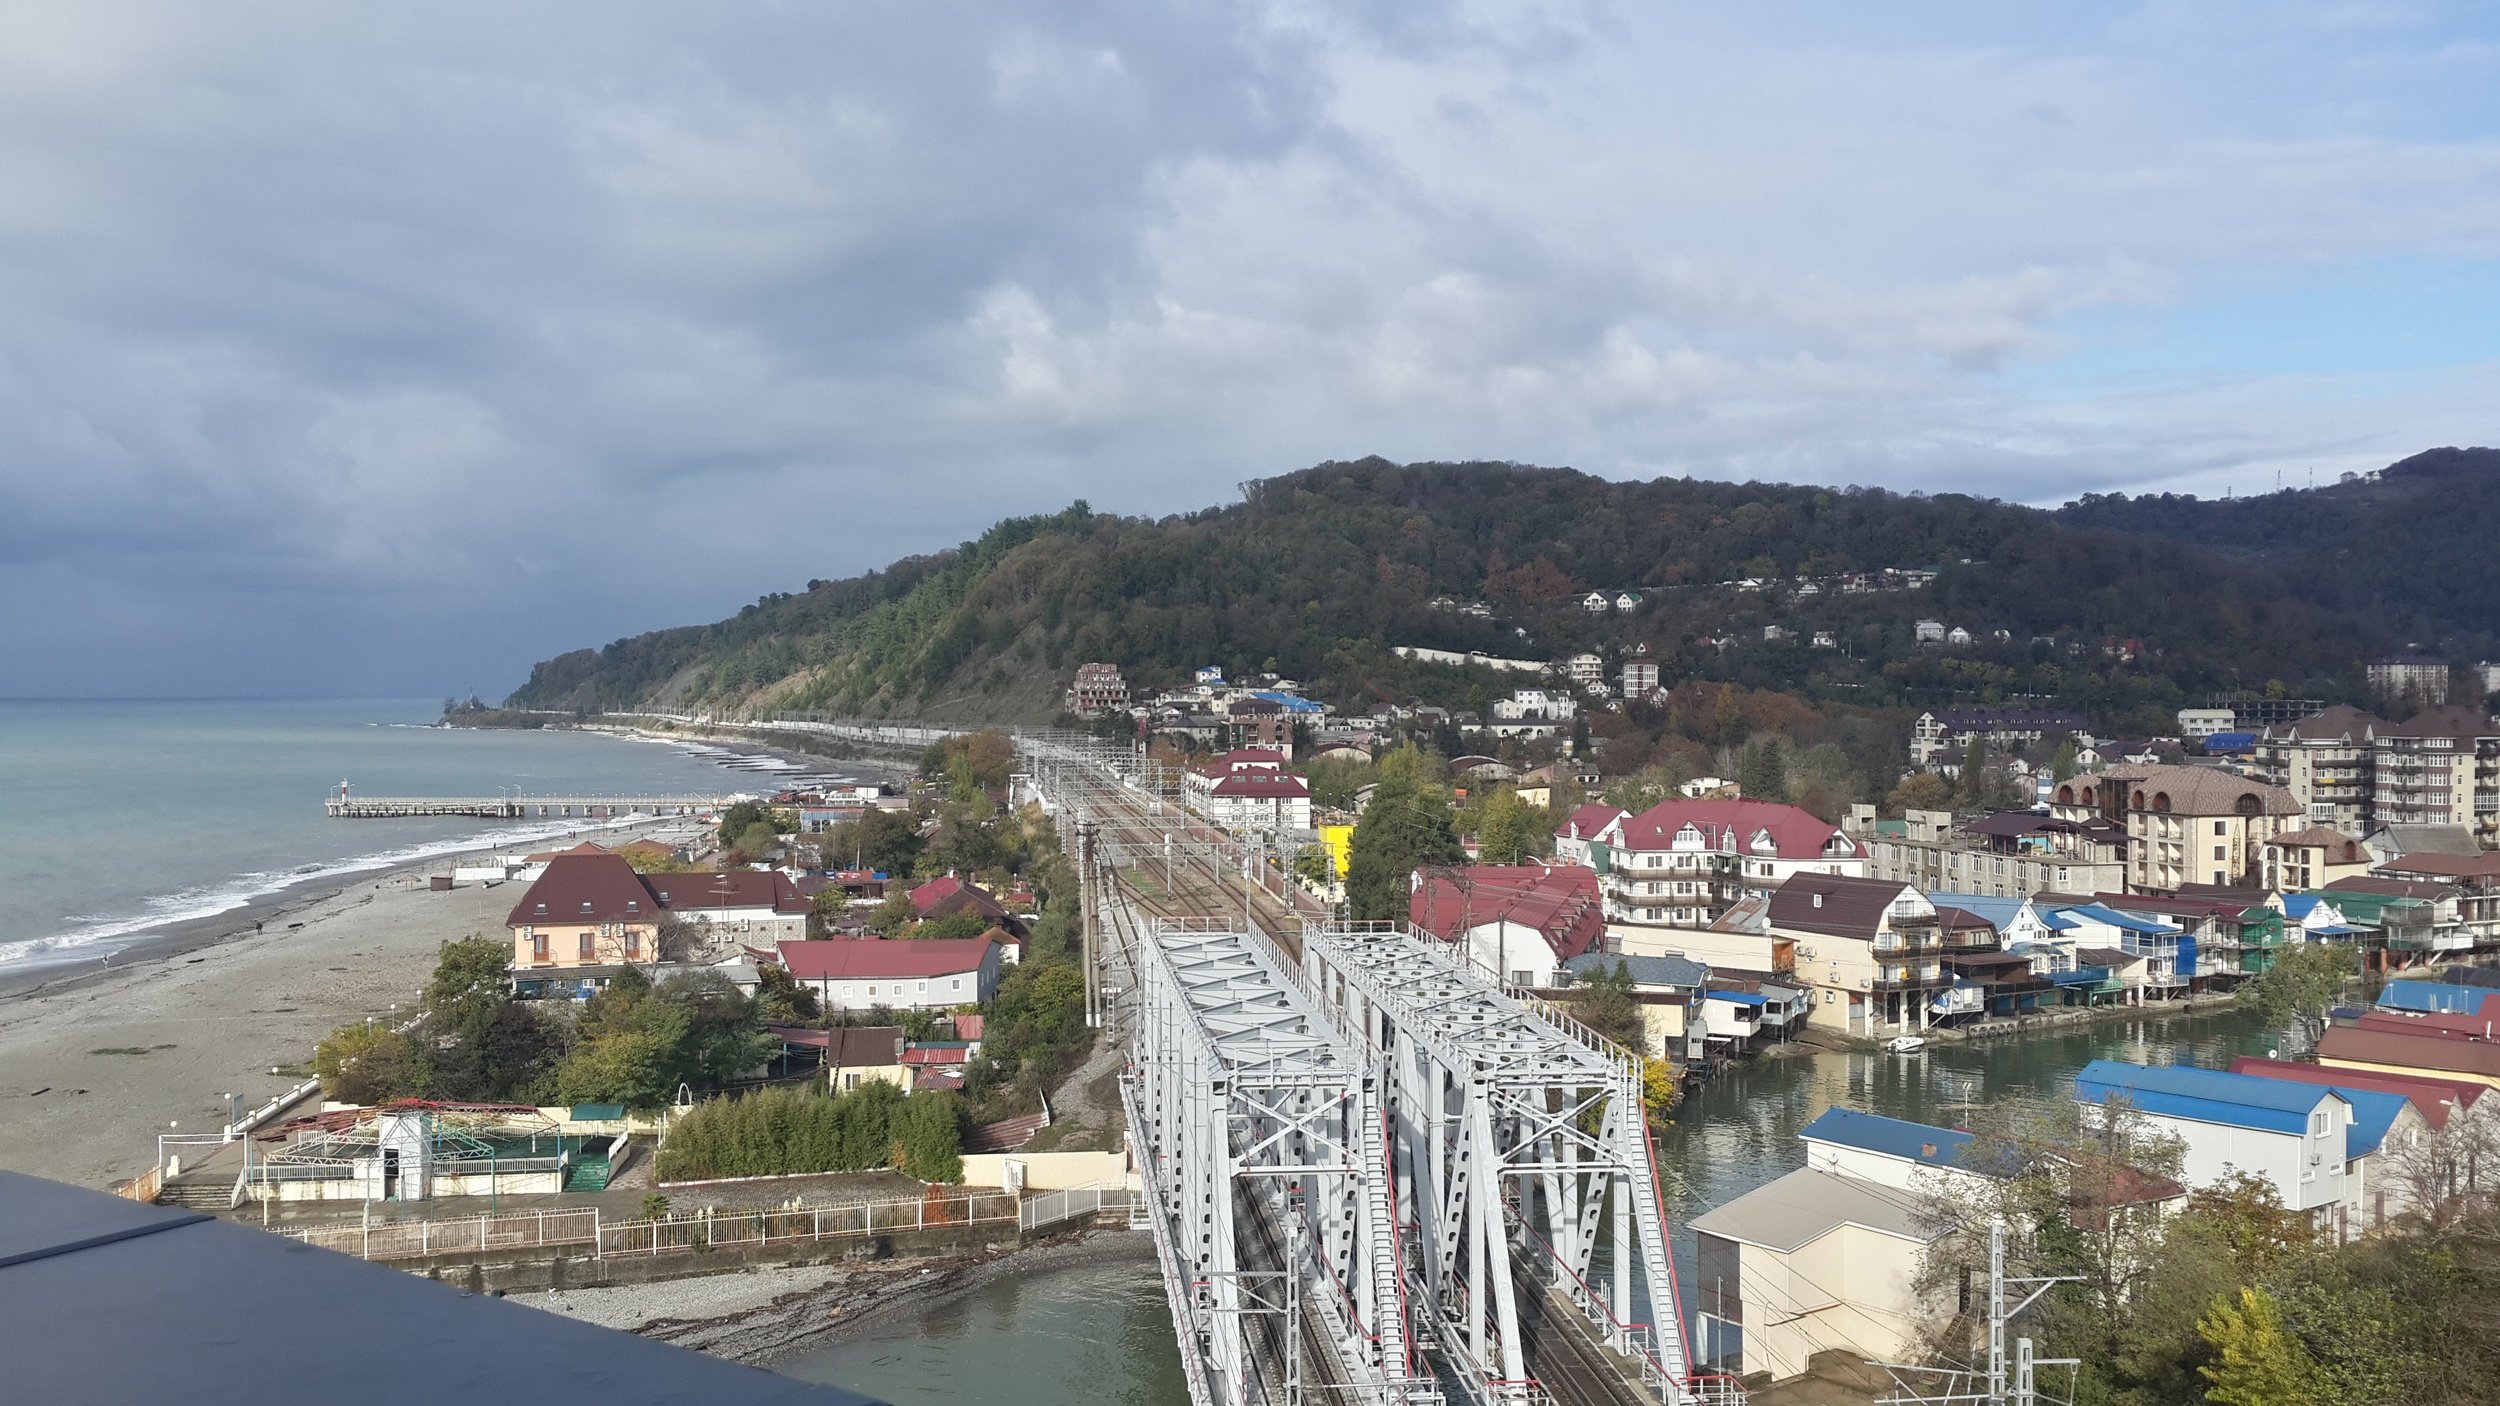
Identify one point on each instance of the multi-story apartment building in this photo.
(1640, 676)
(1584, 669)
(1870, 949)
(2184, 824)
(1942, 734)
(1098, 689)
(2419, 678)
(2014, 854)
(2299, 860)
(1684, 863)
(2440, 767)
(2324, 761)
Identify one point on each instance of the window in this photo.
(633, 944)
(956, 985)
(2218, 828)
(585, 906)
(585, 945)
(2218, 853)
(2317, 1123)
(538, 946)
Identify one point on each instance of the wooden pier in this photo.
(343, 806)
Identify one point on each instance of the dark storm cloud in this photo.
(369, 348)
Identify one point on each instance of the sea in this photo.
(119, 818)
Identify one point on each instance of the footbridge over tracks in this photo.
(1373, 1175)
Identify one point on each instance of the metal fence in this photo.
(728, 1229)
(707, 1230)
(1044, 1210)
(420, 1239)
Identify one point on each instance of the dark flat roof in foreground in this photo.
(107, 1301)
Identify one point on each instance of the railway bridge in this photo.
(1373, 1173)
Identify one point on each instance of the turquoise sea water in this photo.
(119, 817)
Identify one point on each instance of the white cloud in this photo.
(328, 328)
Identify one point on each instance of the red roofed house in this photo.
(1684, 863)
(932, 975)
(1523, 921)
(1249, 789)
(759, 904)
(586, 910)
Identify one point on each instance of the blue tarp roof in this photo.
(1872, 1132)
(2432, 996)
(1292, 703)
(2230, 742)
(1742, 998)
(2299, 905)
(2203, 1095)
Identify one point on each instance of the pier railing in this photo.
(520, 807)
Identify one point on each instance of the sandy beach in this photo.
(97, 1060)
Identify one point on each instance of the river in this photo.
(1100, 1334)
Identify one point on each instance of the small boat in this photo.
(1905, 1044)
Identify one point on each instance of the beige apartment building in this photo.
(2184, 824)
(2324, 761)
(2014, 854)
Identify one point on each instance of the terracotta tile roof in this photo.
(1559, 901)
(2192, 790)
(868, 959)
(2454, 720)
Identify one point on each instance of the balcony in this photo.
(1906, 944)
(1909, 977)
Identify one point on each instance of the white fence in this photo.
(1048, 1209)
(712, 1229)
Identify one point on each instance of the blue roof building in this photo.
(2433, 997)
(1888, 1151)
(2296, 1137)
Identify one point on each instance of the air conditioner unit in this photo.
(1805, 952)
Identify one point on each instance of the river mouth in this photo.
(1088, 1332)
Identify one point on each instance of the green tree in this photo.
(367, 1062)
(928, 1137)
(1762, 771)
(1506, 829)
(1407, 826)
(2300, 987)
(882, 841)
(1604, 1000)
(2063, 767)
(2257, 1362)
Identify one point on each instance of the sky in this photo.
(383, 350)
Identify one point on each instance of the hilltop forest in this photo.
(2124, 608)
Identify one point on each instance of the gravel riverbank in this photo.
(764, 1316)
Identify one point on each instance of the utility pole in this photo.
(1085, 880)
(1996, 1385)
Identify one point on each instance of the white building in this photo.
(2294, 1137)
(932, 974)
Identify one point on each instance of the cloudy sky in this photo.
(382, 349)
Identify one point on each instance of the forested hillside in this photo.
(2118, 606)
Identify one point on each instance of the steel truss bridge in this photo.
(1372, 1173)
